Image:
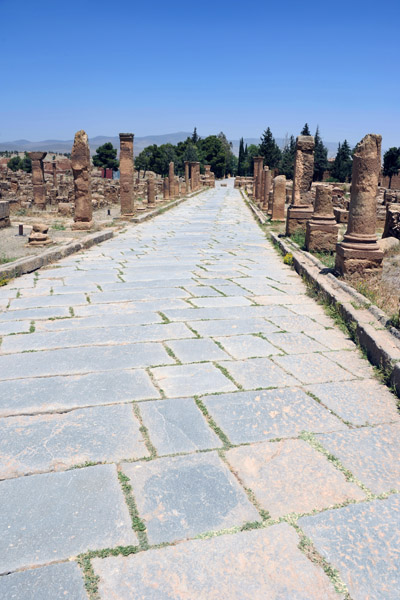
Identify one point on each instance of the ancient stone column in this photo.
(300, 209)
(81, 170)
(166, 188)
(187, 179)
(126, 171)
(151, 192)
(278, 198)
(266, 188)
(171, 179)
(359, 249)
(258, 169)
(39, 186)
(54, 166)
(321, 229)
(176, 181)
(4, 214)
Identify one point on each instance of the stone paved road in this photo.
(231, 441)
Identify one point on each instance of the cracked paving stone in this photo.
(257, 373)
(267, 414)
(312, 368)
(362, 541)
(197, 350)
(54, 442)
(54, 516)
(177, 425)
(371, 454)
(291, 477)
(252, 565)
(295, 343)
(247, 346)
(352, 361)
(53, 582)
(192, 380)
(184, 496)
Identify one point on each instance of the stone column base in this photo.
(353, 260)
(321, 237)
(297, 217)
(82, 225)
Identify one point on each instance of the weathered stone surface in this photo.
(312, 368)
(54, 582)
(57, 515)
(359, 249)
(171, 180)
(362, 542)
(126, 169)
(38, 235)
(184, 496)
(177, 425)
(278, 198)
(291, 477)
(247, 346)
(81, 169)
(189, 380)
(257, 373)
(268, 414)
(39, 186)
(197, 350)
(253, 565)
(392, 223)
(321, 229)
(4, 214)
(300, 210)
(371, 454)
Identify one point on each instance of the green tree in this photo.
(106, 157)
(286, 165)
(320, 157)
(250, 152)
(241, 160)
(269, 149)
(212, 152)
(305, 130)
(195, 137)
(391, 163)
(15, 163)
(342, 165)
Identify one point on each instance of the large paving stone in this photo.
(53, 582)
(71, 361)
(197, 350)
(32, 314)
(221, 302)
(57, 515)
(268, 414)
(192, 380)
(227, 327)
(127, 318)
(10, 327)
(352, 361)
(291, 477)
(371, 454)
(247, 346)
(333, 339)
(253, 565)
(177, 425)
(295, 343)
(184, 496)
(362, 542)
(257, 373)
(359, 402)
(296, 323)
(58, 441)
(47, 301)
(312, 368)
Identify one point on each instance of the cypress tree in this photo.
(269, 149)
(286, 165)
(305, 130)
(343, 163)
(240, 168)
(320, 157)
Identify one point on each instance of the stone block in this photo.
(53, 582)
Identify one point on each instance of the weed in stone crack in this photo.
(71, 311)
(99, 288)
(164, 317)
(32, 327)
(193, 330)
(144, 431)
(172, 354)
(18, 294)
(88, 300)
(88, 463)
(225, 372)
(217, 430)
(314, 397)
(137, 523)
(90, 579)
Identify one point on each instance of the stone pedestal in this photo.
(266, 190)
(278, 198)
(301, 210)
(258, 168)
(359, 250)
(54, 171)
(39, 187)
(321, 229)
(171, 180)
(151, 193)
(38, 235)
(166, 188)
(81, 167)
(4, 214)
(126, 170)
(187, 178)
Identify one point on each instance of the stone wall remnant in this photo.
(39, 186)
(81, 169)
(126, 170)
(321, 229)
(278, 198)
(4, 214)
(300, 209)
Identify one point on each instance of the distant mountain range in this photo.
(140, 143)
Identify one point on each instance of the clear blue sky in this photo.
(157, 67)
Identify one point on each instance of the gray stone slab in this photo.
(312, 368)
(263, 415)
(226, 327)
(252, 565)
(295, 343)
(177, 425)
(55, 516)
(101, 336)
(371, 454)
(191, 380)
(138, 295)
(47, 301)
(352, 361)
(202, 291)
(359, 402)
(33, 314)
(222, 312)
(296, 323)
(184, 496)
(247, 346)
(53, 582)
(125, 307)
(10, 327)
(291, 477)
(197, 350)
(333, 339)
(71, 361)
(104, 320)
(221, 302)
(362, 542)
(255, 373)
(55, 442)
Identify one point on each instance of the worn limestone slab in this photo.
(252, 565)
(257, 373)
(184, 496)
(333, 339)
(53, 582)
(35, 313)
(196, 350)
(295, 343)
(358, 402)
(72, 361)
(55, 442)
(191, 380)
(221, 302)
(371, 454)
(227, 327)
(58, 515)
(352, 361)
(103, 320)
(267, 414)
(291, 477)
(47, 301)
(297, 323)
(362, 542)
(247, 346)
(312, 368)
(10, 327)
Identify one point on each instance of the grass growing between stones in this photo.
(137, 524)
(226, 373)
(145, 433)
(217, 430)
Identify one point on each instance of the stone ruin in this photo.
(81, 169)
(322, 229)
(126, 170)
(300, 210)
(38, 235)
(4, 214)
(39, 187)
